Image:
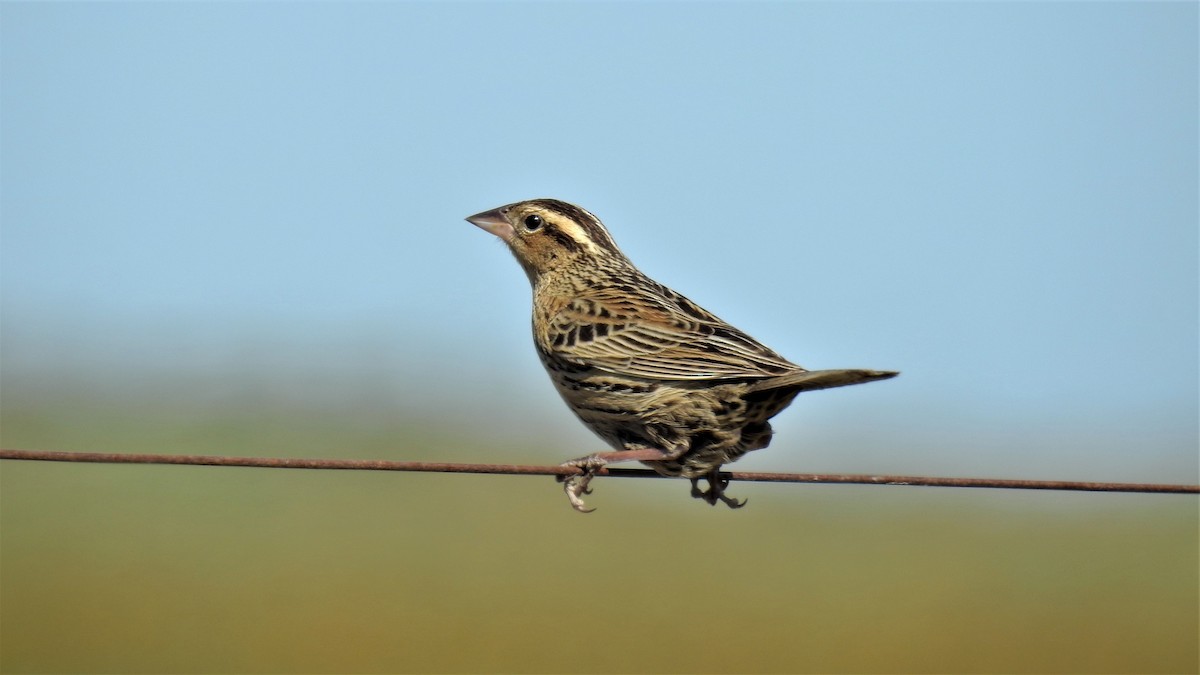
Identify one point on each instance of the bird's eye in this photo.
(533, 223)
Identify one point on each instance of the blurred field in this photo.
(195, 569)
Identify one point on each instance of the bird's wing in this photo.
(655, 333)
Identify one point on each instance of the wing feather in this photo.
(655, 334)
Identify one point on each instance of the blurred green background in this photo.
(236, 228)
(199, 569)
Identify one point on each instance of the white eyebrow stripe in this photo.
(577, 233)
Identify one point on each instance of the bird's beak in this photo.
(494, 221)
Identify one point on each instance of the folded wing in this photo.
(656, 334)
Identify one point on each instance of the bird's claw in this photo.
(576, 485)
(716, 491)
(573, 492)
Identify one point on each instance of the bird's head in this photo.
(547, 235)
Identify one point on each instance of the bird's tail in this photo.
(809, 380)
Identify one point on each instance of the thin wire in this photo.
(524, 469)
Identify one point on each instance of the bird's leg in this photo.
(576, 485)
(716, 490)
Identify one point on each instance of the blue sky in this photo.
(998, 199)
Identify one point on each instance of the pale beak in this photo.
(494, 221)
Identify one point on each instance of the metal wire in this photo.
(524, 469)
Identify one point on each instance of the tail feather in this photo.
(810, 380)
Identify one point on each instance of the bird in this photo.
(660, 379)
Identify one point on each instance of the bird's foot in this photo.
(716, 491)
(576, 485)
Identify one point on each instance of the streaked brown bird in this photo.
(660, 379)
